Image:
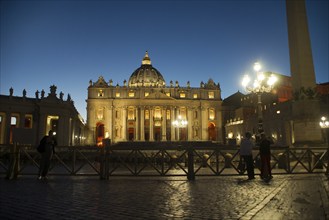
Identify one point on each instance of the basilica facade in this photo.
(147, 108)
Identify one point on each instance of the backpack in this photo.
(42, 145)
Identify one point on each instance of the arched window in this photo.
(99, 134)
(212, 131)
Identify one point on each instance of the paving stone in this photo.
(223, 197)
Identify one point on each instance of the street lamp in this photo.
(324, 124)
(263, 83)
(179, 123)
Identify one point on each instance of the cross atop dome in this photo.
(146, 60)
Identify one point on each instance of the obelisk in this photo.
(305, 106)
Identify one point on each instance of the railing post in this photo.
(190, 168)
(74, 160)
(107, 164)
(288, 160)
(310, 159)
(102, 163)
(13, 168)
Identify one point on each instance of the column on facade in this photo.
(189, 124)
(164, 124)
(151, 125)
(142, 126)
(172, 119)
(22, 120)
(110, 122)
(219, 125)
(178, 129)
(137, 112)
(204, 123)
(70, 135)
(7, 127)
(62, 131)
(42, 125)
(76, 131)
(92, 124)
(124, 123)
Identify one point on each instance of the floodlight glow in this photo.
(256, 84)
(257, 66)
(245, 80)
(260, 77)
(271, 80)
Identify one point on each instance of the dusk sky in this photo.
(68, 43)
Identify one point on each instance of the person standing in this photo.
(246, 147)
(265, 157)
(49, 149)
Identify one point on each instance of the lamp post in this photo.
(262, 84)
(324, 124)
(179, 123)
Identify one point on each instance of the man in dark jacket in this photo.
(265, 157)
(49, 142)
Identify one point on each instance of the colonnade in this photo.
(144, 123)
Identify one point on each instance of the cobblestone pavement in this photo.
(224, 197)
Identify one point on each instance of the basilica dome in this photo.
(146, 75)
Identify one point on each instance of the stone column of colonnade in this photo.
(142, 138)
(175, 118)
(164, 124)
(63, 130)
(189, 124)
(204, 124)
(137, 111)
(21, 120)
(7, 127)
(151, 125)
(124, 123)
(172, 118)
(42, 125)
(91, 138)
(218, 117)
(109, 119)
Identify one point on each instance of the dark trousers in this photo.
(45, 161)
(250, 165)
(265, 166)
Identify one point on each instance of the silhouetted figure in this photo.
(265, 157)
(61, 94)
(246, 152)
(24, 93)
(11, 91)
(42, 93)
(37, 94)
(49, 142)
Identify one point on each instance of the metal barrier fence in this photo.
(189, 159)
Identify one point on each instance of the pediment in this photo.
(158, 95)
(100, 82)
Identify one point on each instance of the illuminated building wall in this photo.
(34, 117)
(144, 108)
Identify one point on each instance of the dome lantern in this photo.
(146, 60)
(146, 75)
